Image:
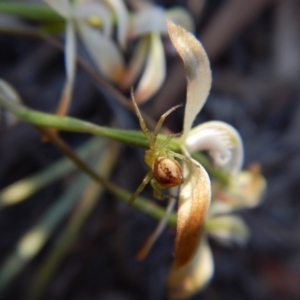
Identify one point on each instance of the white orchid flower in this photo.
(193, 264)
(149, 24)
(80, 15)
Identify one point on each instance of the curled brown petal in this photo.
(194, 199)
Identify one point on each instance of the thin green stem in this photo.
(133, 138)
(65, 123)
(30, 11)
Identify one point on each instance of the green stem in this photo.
(33, 12)
(133, 138)
(36, 118)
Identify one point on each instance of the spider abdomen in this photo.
(167, 172)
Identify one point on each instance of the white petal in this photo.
(197, 71)
(104, 52)
(250, 186)
(88, 10)
(244, 191)
(120, 10)
(222, 142)
(62, 7)
(182, 17)
(155, 70)
(148, 20)
(218, 207)
(228, 230)
(194, 200)
(184, 282)
(136, 63)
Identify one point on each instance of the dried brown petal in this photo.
(194, 200)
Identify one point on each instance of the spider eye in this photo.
(167, 172)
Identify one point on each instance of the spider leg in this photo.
(167, 140)
(179, 156)
(143, 252)
(141, 120)
(145, 181)
(160, 123)
(157, 191)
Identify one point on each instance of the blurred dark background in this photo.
(254, 47)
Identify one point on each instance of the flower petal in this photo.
(245, 191)
(155, 70)
(103, 50)
(62, 7)
(197, 71)
(228, 230)
(181, 17)
(136, 63)
(252, 185)
(151, 19)
(182, 283)
(86, 11)
(120, 10)
(194, 199)
(222, 142)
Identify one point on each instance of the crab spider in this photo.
(165, 171)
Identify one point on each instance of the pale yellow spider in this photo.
(165, 170)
